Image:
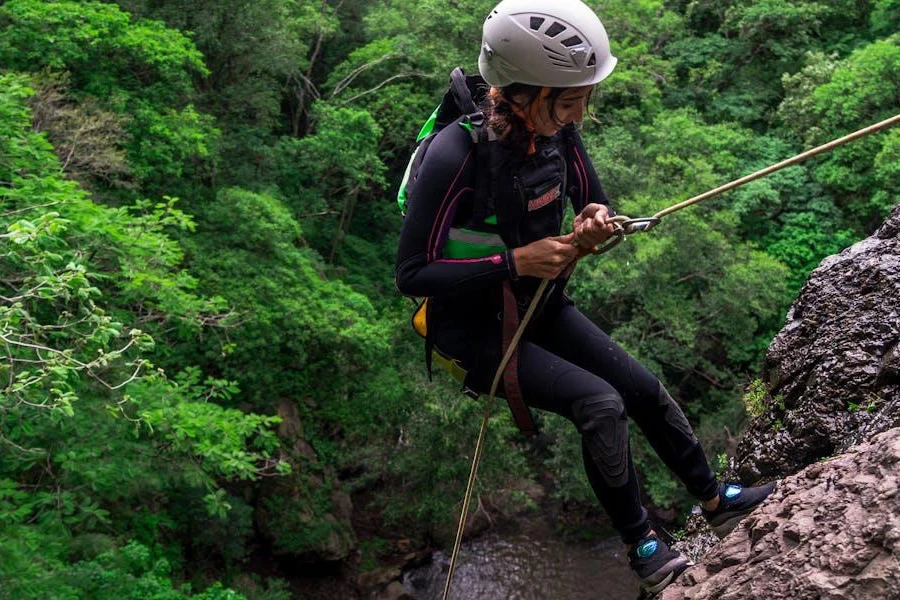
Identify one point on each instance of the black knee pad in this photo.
(603, 424)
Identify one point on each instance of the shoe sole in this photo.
(727, 526)
(676, 567)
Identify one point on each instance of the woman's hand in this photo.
(546, 258)
(591, 228)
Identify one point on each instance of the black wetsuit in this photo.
(566, 364)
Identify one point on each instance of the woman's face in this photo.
(550, 117)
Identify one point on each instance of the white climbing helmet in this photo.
(550, 43)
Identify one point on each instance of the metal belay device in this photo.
(623, 226)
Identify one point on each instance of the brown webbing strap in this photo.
(521, 414)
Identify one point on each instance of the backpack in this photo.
(458, 101)
(458, 104)
(491, 221)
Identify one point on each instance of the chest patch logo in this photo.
(544, 199)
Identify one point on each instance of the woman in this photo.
(542, 59)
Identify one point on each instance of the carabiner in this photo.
(640, 224)
(609, 244)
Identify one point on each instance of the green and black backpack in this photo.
(493, 224)
(459, 101)
(492, 221)
(459, 105)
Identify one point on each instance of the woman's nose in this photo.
(577, 113)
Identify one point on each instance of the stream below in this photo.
(536, 564)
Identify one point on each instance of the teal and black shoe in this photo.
(655, 564)
(735, 503)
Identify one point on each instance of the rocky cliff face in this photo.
(833, 372)
(832, 531)
(831, 431)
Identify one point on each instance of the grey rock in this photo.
(378, 577)
(831, 431)
(833, 372)
(830, 531)
(394, 591)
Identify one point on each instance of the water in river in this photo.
(528, 566)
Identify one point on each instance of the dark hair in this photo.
(499, 106)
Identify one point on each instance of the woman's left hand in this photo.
(591, 228)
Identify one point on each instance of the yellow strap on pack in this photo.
(419, 322)
(451, 365)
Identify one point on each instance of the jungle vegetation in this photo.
(201, 346)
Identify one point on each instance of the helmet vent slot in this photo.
(536, 22)
(572, 41)
(592, 61)
(555, 29)
(554, 54)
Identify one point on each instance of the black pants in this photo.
(568, 366)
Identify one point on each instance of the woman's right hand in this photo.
(546, 258)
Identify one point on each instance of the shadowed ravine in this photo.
(528, 566)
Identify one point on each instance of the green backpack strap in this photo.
(460, 100)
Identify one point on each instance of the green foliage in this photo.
(871, 405)
(259, 54)
(233, 229)
(678, 308)
(135, 67)
(755, 398)
(104, 50)
(131, 571)
(431, 458)
(250, 251)
(885, 18)
(87, 426)
(170, 143)
(661, 488)
(330, 171)
(179, 413)
(304, 526)
(727, 68)
(776, 28)
(371, 549)
(400, 106)
(564, 462)
(857, 91)
(633, 93)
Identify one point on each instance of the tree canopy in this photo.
(204, 356)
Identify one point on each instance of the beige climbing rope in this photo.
(623, 226)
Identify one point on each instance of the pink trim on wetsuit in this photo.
(435, 228)
(494, 258)
(446, 223)
(582, 172)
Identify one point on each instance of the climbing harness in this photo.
(623, 226)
